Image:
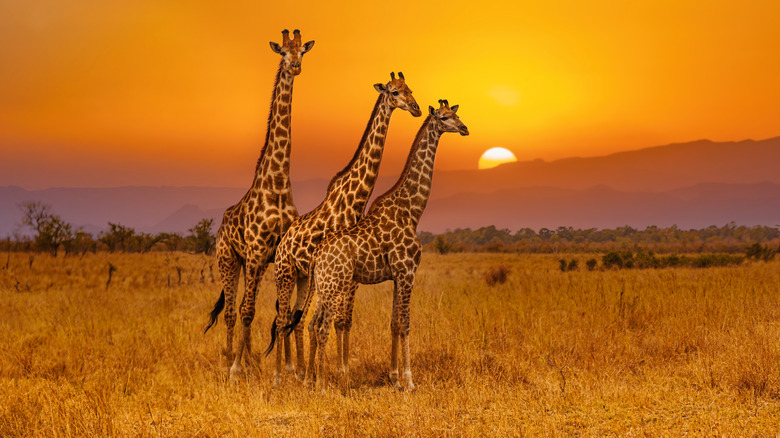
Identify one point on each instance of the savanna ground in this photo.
(616, 352)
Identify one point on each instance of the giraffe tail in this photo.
(273, 332)
(298, 314)
(218, 306)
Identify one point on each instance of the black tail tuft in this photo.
(218, 306)
(273, 332)
(273, 339)
(296, 319)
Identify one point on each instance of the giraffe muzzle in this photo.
(463, 130)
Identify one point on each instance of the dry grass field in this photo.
(624, 353)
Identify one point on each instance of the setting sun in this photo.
(495, 156)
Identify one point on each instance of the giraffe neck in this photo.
(273, 167)
(414, 185)
(359, 176)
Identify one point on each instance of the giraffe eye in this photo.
(395, 93)
(443, 119)
(284, 53)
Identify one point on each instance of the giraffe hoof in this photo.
(236, 374)
(408, 378)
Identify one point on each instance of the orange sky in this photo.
(149, 92)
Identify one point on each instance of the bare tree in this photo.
(51, 231)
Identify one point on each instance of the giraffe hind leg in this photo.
(300, 304)
(255, 268)
(284, 285)
(230, 271)
(288, 360)
(311, 372)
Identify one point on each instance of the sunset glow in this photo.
(495, 156)
(99, 93)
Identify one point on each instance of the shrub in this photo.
(441, 245)
(644, 260)
(591, 264)
(757, 251)
(618, 259)
(497, 275)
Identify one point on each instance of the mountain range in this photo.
(691, 185)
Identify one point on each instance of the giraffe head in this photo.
(399, 95)
(292, 51)
(446, 120)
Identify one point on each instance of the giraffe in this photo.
(252, 228)
(344, 204)
(382, 246)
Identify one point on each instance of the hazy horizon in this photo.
(384, 173)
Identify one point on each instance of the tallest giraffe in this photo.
(252, 228)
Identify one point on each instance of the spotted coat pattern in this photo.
(344, 204)
(252, 228)
(382, 246)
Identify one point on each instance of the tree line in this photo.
(729, 238)
(51, 234)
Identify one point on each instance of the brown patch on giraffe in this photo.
(387, 249)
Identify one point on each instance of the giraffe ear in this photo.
(307, 46)
(430, 109)
(380, 88)
(276, 47)
(454, 108)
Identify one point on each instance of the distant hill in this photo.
(692, 185)
(653, 169)
(603, 207)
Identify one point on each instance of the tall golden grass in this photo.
(631, 352)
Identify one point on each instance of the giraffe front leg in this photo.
(395, 333)
(405, 293)
(230, 324)
(339, 345)
(254, 271)
(344, 322)
(407, 363)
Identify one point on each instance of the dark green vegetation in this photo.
(51, 234)
(729, 238)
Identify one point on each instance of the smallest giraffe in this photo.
(382, 246)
